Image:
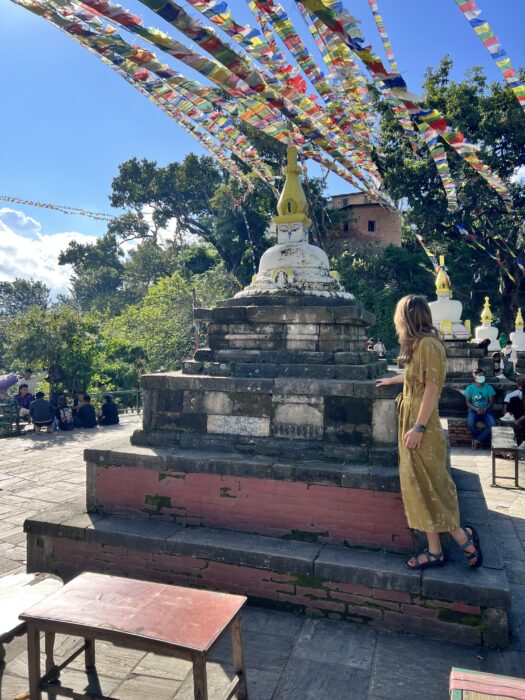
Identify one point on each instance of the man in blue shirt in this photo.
(480, 399)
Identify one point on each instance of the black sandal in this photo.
(432, 560)
(472, 541)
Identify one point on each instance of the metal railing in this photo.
(126, 399)
(9, 418)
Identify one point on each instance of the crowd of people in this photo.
(56, 412)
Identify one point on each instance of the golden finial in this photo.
(519, 321)
(292, 206)
(486, 314)
(442, 279)
(468, 326)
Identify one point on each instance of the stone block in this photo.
(351, 372)
(192, 367)
(203, 355)
(371, 569)
(297, 416)
(255, 369)
(238, 425)
(245, 550)
(348, 419)
(495, 627)
(317, 371)
(348, 454)
(384, 421)
(228, 314)
(287, 314)
(485, 587)
(217, 402)
(203, 315)
(306, 342)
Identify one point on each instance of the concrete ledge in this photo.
(353, 475)
(363, 586)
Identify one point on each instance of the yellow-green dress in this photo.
(428, 491)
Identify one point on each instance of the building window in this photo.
(345, 227)
(371, 226)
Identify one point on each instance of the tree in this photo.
(490, 116)
(20, 295)
(98, 270)
(58, 336)
(161, 325)
(380, 277)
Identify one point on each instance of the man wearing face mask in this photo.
(480, 399)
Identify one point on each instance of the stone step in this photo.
(314, 500)
(372, 588)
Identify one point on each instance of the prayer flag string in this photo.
(491, 42)
(64, 209)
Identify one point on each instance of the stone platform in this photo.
(272, 471)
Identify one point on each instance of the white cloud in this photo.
(28, 253)
(519, 174)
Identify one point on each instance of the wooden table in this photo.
(504, 446)
(17, 593)
(476, 685)
(168, 620)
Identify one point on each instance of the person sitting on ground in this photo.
(64, 414)
(507, 353)
(77, 402)
(109, 412)
(42, 413)
(24, 400)
(86, 416)
(514, 410)
(379, 348)
(480, 399)
(31, 380)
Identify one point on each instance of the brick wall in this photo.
(297, 510)
(382, 609)
(357, 215)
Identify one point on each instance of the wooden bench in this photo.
(17, 593)
(185, 623)
(475, 685)
(504, 446)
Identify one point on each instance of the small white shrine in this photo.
(487, 330)
(518, 337)
(446, 312)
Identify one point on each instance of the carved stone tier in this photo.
(283, 339)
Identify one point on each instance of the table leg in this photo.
(238, 658)
(517, 471)
(493, 469)
(200, 681)
(33, 660)
(2, 655)
(90, 654)
(50, 652)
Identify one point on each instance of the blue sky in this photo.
(67, 121)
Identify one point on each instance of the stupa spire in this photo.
(486, 314)
(292, 206)
(519, 321)
(442, 279)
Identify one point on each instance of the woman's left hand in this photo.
(412, 440)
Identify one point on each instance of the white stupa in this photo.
(294, 265)
(487, 330)
(446, 313)
(518, 337)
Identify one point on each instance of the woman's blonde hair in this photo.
(413, 321)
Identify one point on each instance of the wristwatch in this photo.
(420, 428)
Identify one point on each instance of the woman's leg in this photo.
(434, 547)
(461, 536)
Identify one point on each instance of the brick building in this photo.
(361, 219)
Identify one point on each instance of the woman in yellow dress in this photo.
(428, 491)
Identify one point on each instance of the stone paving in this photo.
(288, 657)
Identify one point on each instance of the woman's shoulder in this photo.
(431, 342)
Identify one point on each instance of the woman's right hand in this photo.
(384, 382)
